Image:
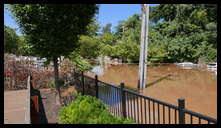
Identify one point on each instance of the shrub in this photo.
(52, 84)
(89, 110)
(60, 83)
(79, 62)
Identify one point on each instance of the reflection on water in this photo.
(98, 70)
(168, 83)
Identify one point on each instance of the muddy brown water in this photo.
(168, 83)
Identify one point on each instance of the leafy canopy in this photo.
(11, 40)
(53, 29)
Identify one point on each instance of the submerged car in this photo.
(212, 65)
(186, 65)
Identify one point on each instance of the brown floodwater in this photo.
(168, 83)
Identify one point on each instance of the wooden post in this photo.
(96, 85)
(123, 100)
(181, 104)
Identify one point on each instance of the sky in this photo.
(108, 13)
(113, 13)
(9, 20)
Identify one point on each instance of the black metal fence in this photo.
(144, 110)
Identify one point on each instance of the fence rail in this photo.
(144, 110)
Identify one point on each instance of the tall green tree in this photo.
(53, 29)
(107, 38)
(24, 48)
(187, 27)
(89, 47)
(107, 28)
(129, 30)
(93, 28)
(11, 40)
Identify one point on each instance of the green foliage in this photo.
(186, 32)
(93, 28)
(89, 110)
(46, 63)
(24, 46)
(107, 39)
(129, 30)
(124, 43)
(108, 50)
(180, 32)
(89, 47)
(79, 62)
(128, 51)
(157, 54)
(53, 29)
(60, 83)
(52, 84)
(166, 11)
(11, 40)
(177, 32)
(107, 28)
(206, 50)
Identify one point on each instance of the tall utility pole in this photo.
(143, 46)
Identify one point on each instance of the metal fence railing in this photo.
(144, 110)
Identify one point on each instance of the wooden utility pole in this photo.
(143, 46)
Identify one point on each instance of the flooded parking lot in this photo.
(168, 83)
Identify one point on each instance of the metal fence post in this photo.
(181, 105)
(123, 100)
(82, 78)
(96, 85)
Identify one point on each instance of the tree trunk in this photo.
(56, 74)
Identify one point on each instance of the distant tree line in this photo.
(177, 33)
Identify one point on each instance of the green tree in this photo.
(24, 48)
(89, 47)
(157, 54)
(79, 62)
(53, 29)
(129, 30)
(107, 28)
(184, 29)
(107, 38)
(107, 50)
(93, 28)
(127, 51)
(11, 40)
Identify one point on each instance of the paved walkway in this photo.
(15, 107)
